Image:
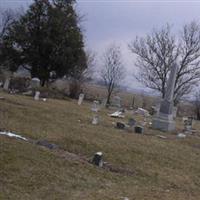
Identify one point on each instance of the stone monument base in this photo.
(164, 122)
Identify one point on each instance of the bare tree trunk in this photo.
(108, 99)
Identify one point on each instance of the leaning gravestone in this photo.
(116, 102)
(35, 83)
(165, 120)
(80, 99)
(37, 96)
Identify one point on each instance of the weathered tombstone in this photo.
(95, 120)
(37, 96)
(6, 84)
(95, 106)
(120, 125)
(139, 129)
(164, 120)
(35, 83)
(80, 99)
(131, 122)
(116, 102)
(188, 122)
(103, 103)
(98, 159)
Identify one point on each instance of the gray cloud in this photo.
(120, 21)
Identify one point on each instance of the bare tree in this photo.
(6, 19)
(157, 52)
(112, 72)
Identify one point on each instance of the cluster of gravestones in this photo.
(33, 87)
(132, 124)
(95, 108)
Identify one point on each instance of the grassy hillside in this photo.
(163, 169)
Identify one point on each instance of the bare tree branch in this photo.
(158, 51)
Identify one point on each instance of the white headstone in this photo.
(95, 120)
(80, 99)
(37, 96)
(95, 106)
(6, 84)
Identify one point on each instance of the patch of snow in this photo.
(117, 114)
(99, 153)
(9, 134)
(181, 135)
(142, 112)
(162, 136)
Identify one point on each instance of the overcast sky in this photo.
(119, 21)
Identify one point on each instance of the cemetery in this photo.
(62, 140)
(82, 122)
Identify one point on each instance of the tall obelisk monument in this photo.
(164, 120)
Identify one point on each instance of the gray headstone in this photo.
(139, 129)
(131, 122)
(120, 125)
(116, 101)
(165, 120)
(35, 83)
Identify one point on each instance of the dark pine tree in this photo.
(47, 38)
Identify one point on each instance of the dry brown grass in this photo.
(164, 169)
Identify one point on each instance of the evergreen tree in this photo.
(47, 38)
